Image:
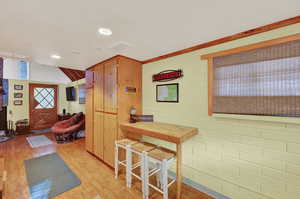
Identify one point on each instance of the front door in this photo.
(42, 105)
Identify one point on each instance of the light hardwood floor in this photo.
(97, 179)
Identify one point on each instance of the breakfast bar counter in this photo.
(168, 132)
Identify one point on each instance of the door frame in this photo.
(31, 105)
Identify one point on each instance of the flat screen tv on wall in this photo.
(71, 93)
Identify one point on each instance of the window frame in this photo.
(209, 57)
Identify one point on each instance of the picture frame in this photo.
(18, 102)
(167, 93)
(18, 95)
(18, 87)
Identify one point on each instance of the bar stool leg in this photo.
(146, 175)
(158, 176)
(143, 174)
(116, 161)
(164, 172)
(128, 167)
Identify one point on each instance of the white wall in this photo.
(15, 113)
(74, 106)
(37, 72)
(11, 68)
(44, 73)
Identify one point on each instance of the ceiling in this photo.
(141, 29)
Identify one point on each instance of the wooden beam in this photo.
(240, 35)
(79, 74)
(73, 74)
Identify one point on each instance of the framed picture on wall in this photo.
(18, 95)
(18, 102)
(167, 93)
(18, 87)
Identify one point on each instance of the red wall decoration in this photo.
(167, 75)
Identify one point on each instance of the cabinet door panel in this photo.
(110, 136)
(89, 120)
(99, 88)
(98, 134)
(110, 87)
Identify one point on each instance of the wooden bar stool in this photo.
(163, 158)
(139, 148)
(123, 144)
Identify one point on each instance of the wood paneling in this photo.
(73, 74)
(111, 134)
(110, 86)
(113, 58)
(99, 134)
(240, 35)
(99, 88)
(89, 121)
(112, 102)
(129, 75)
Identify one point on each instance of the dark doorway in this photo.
(3, 118)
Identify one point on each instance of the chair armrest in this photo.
(63, 123)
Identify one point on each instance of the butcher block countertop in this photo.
(164, 131)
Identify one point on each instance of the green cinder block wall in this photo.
(238, 157)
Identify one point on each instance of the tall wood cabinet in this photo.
(113, 87)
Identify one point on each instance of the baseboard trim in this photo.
(200, 187)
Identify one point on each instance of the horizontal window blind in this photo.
(264, 81)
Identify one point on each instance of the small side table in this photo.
(22, 129)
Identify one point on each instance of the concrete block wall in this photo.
(237, 157)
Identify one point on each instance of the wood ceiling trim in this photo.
(240, 35)
(73, 74)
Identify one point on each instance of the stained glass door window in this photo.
(44, 97)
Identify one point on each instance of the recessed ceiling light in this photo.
(55, 56)
(105, 31)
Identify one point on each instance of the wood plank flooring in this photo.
(97, 179)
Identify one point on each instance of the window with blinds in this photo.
(263, 81)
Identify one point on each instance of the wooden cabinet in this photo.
(98, 134)
(89, 121)
(108, 103)
(110, 87)
(111, 134)
(99, 88)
